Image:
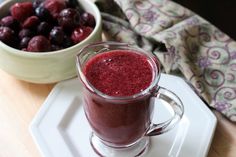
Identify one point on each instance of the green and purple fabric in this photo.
(185, 43)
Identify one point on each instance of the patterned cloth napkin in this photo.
(185, 43)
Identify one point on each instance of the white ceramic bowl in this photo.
(46, 67)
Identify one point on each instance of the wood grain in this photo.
(224, 141)
(19, 102)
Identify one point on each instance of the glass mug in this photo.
(121, 126)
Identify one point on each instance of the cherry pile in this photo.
(45, 25)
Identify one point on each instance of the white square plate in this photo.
(60, 128)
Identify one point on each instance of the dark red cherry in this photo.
(25, 33)
(39, 44)
(10, 22)
(7, 36)
(80, 34)
(69, 19)
(88, 19)
(74, 4)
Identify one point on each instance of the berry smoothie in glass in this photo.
(120, 86)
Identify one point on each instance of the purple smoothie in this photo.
(119, 73)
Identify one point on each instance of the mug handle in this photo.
(177, 106)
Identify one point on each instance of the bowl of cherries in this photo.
(39, 39)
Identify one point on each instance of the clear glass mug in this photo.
(121, 126)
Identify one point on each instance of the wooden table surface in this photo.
(20, 101)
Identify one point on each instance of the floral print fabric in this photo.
(184, 42)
